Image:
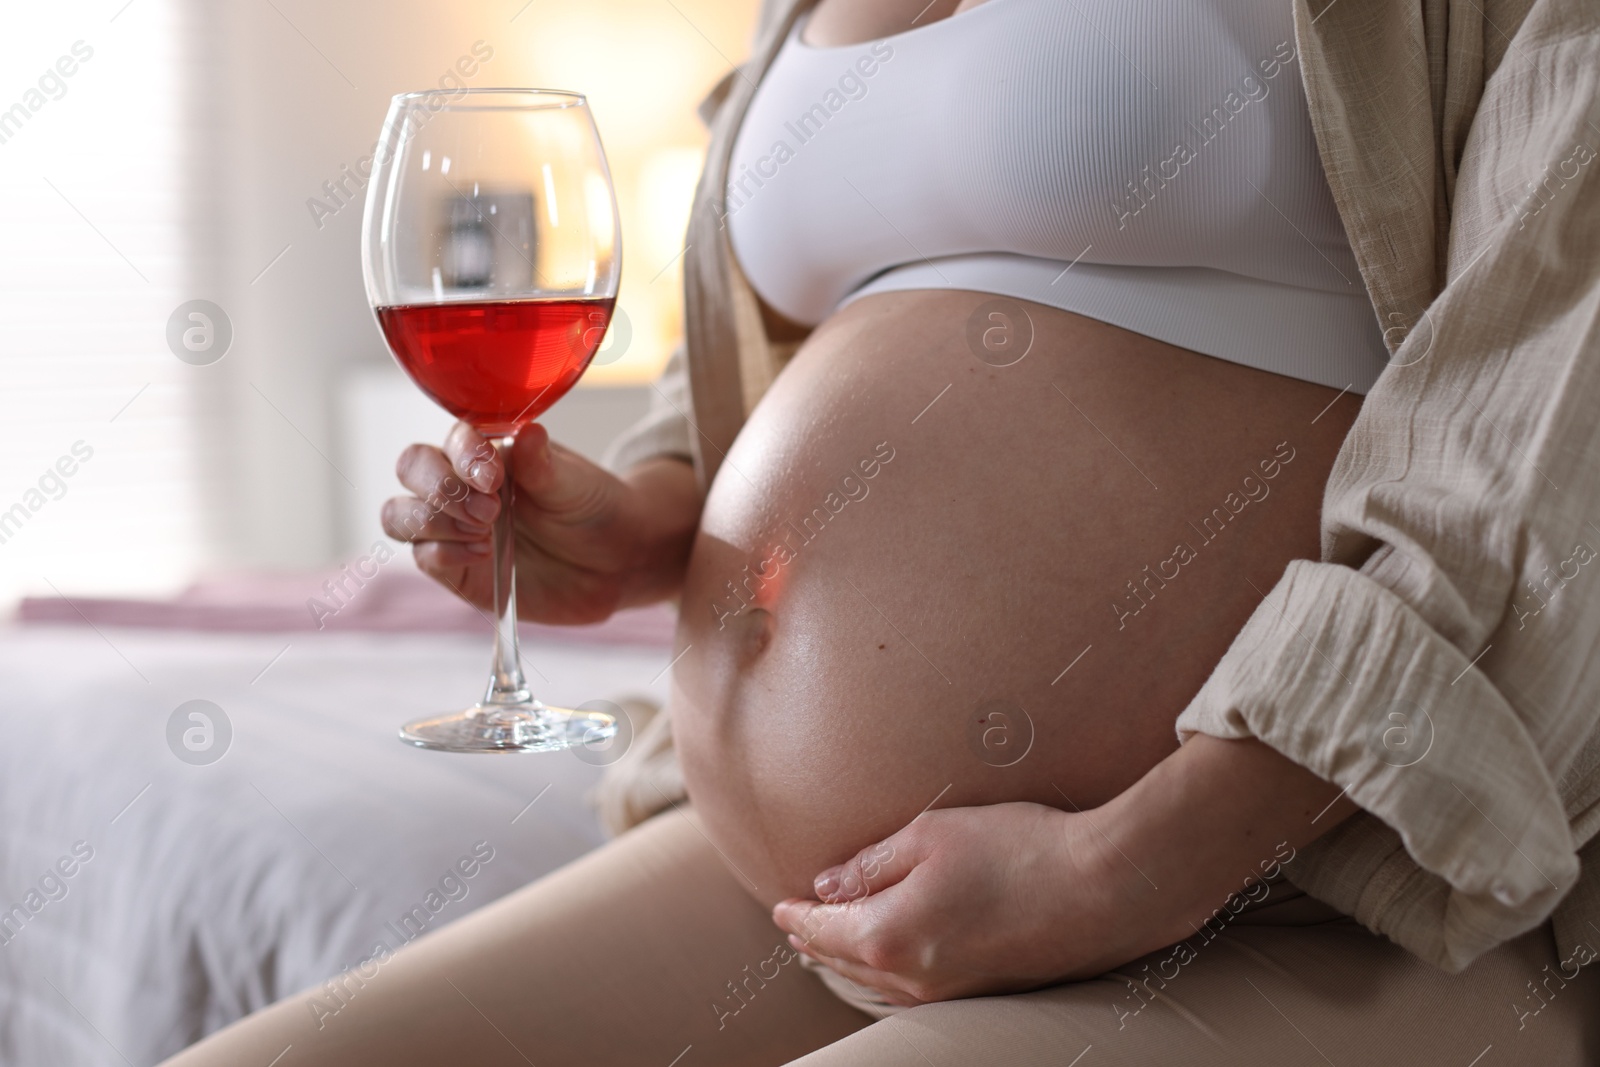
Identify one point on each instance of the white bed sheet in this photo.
(215, 890)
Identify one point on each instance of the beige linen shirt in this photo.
(1440, 661)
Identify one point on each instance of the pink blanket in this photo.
(393, 600)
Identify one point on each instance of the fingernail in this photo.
(827, 883)
(483, 508)
(478, 548)
(478, 475)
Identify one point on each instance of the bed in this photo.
(154, 893)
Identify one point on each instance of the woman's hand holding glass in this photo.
(587, 541)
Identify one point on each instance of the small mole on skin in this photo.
(883, 646)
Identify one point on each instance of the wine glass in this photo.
(491, 252)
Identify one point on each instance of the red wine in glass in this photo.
(497, 364)
(491, 252)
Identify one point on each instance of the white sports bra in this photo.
(1147, 163)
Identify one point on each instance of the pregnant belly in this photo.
(925, 579)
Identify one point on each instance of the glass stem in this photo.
(506, 684)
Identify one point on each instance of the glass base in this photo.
(531, 727)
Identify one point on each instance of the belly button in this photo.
(754, 634)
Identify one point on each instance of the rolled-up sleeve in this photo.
(1439, 662)
(1343, 676)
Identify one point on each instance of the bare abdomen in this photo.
(1009, 595)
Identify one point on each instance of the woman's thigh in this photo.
(632, 954)
(1281, 995)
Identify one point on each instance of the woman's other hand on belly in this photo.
(968, 901)
(587, 541)
(975, 901)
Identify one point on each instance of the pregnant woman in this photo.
(1020, 434)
